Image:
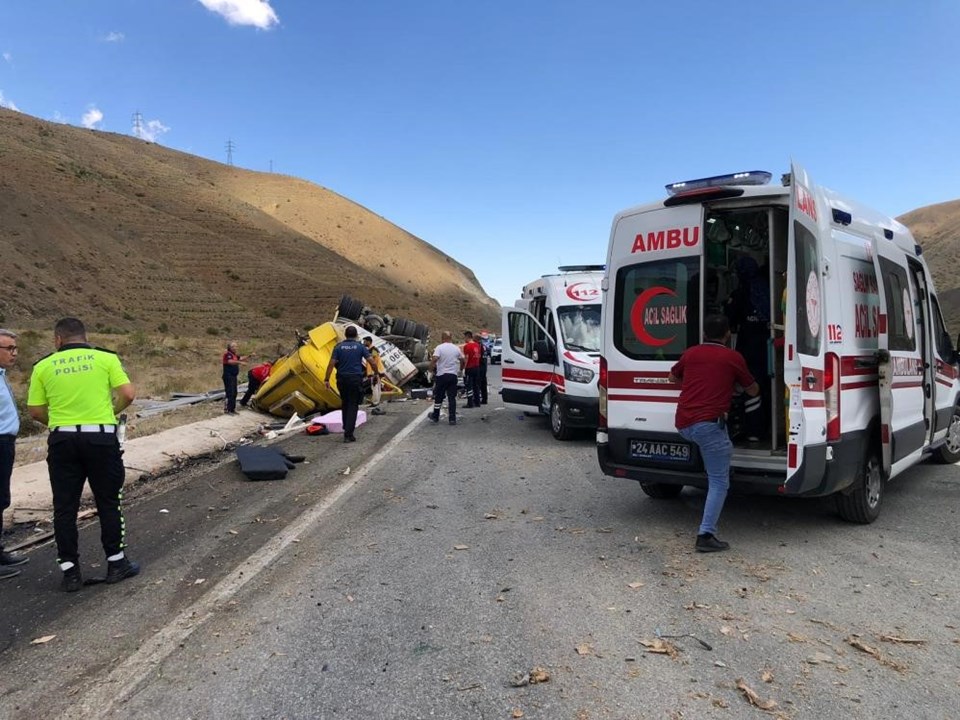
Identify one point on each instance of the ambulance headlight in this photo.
(575, 373)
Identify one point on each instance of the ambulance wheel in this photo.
(862, 504)
(661, 491)
(949, 452)
(558, 423)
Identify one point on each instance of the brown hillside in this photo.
(937, 229)
(130, 235)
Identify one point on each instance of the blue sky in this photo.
(508, 134)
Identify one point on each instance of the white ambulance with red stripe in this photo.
(551, 349)
(861, 375)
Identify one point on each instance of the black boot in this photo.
(121, 569)
(12, 559)
(72, 581)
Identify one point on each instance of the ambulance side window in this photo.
(901, 324)
(524, 332)
(809, 310)
(551, 327)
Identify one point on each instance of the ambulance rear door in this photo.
(903, 426)
(527, 369)
(804, 356)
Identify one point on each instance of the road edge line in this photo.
(127, 677)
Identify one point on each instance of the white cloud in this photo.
(91, 118)
(8, 57)
(58, 117)
(8, 104)
(244, 12)
(114, 37)
(151, 130)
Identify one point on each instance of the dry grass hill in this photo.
(937, 229)
(132, 236)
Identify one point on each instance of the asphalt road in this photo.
(464, 556)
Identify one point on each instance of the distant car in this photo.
(496, 351)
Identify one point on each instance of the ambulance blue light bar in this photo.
(753, 177)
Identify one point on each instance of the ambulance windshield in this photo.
(580, 327)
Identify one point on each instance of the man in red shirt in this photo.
(256, 376)
(709, 374)
(471, 371)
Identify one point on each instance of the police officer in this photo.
(77, 392)
(348, 358)
(9, 427)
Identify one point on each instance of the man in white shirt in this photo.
(9, 427)
(447, 362)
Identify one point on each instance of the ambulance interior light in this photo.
(752, 177)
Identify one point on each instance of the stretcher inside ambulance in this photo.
(834, 311)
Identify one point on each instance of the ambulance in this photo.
(551, 349)
(861, 377)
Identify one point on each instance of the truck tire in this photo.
(862, 504)
(558, 423)
(421, 332)
(949, 452)
(349, 308)
(661, 491)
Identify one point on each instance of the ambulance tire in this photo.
(661, 491)
(862, 504)
(558, 422)
(949, 452)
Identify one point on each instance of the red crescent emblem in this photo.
(636, 316)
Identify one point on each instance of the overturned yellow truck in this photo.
(295, 385)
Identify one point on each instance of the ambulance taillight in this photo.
(831, 390)
(602, 387)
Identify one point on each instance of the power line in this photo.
(137, 124)
(230, 148)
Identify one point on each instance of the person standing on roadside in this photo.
(350, 359)
(471, 372)
(256, 376)
(375, 373)
(708, 375)
(232, 360)
(9, 427)
(446, 363)
(482, 372)
(77, 391)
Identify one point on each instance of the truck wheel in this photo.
(661, 491)
(558, 423)
(421, 332)
(862, 504)
(349, 308)
(949, 452)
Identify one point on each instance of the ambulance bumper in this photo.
(581, 412)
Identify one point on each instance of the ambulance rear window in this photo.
(657, 309)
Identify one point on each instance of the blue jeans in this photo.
(716, 451)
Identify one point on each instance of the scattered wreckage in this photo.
(295, 385)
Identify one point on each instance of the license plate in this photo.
(661, 451)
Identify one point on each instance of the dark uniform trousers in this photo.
(350, 388)
(482, 380)
(230, 391)
(252, 386)
(76, 457)
(445, 386)
(8, 449)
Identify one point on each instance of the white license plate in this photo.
(660, 451)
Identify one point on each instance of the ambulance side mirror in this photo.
(543, 352)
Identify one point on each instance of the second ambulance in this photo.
(860, 379)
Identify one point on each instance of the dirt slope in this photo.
(130, 235)
(937, 229)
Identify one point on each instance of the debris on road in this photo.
(583, 650)
(705, 645)
(855, 641)
(660, 647)
(42, 640)
(754, 699)
(902, 640)
(533, 677)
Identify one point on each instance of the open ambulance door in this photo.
(903, 426)
(528, 360)
(804, 355)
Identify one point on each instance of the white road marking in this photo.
(126, 678)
